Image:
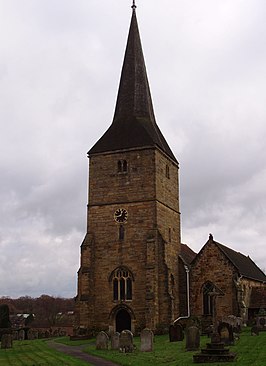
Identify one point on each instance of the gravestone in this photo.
(226, 333)
(255, 331)
(21, 335)
(6, 341)
(30, 335)
(102, 340)
(5, 327)
(126, 341)
(4, 317)
(146, 340)
(115, 340)
(15, 335)
(215, 351)
(192, 338)
(176, 333)
(261, 320)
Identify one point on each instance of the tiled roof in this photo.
(246, 267)
(187, 254)
(134, 124)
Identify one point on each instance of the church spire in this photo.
(134, 98)
(134, 124)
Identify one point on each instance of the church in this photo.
(131, 273)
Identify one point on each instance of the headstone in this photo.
(261, 320)
(15, 335)
(172, 333)
(30, 335)
(226, 333)
(115, 340)
(255, 331)
(146, 340)
(192, 338)
(6, 341)
(56, 333)
(102, 340)
(21, 335)
(126, 341)
(176, 333)
(4, 316)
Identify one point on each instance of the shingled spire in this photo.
(134, 122)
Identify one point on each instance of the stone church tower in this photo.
(128, 276)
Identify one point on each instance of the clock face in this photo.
(120, 215)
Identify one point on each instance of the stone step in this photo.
(215, 345)
(214, 351)
(202, 358)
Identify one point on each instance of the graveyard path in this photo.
(77, 351)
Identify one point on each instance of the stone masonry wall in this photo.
(151, 200)
(213, 266)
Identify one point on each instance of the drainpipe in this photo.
(188, 295)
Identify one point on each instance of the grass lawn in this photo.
(251, 351)
(35, 353)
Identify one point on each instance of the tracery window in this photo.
(122, 285)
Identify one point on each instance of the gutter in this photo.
(188, 296)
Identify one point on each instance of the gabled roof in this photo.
(244, 264)
(134, 124)
(186, 254)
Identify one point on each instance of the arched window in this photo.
(122, 166)
(209, 293)
(119, 166)
(122, 284)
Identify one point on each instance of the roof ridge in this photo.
(246, 272)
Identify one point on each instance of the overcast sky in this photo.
(60, 64)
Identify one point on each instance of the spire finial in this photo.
(133, 5)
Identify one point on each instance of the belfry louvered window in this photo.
(122, 285)
(122, 166)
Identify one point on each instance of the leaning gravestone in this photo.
(126, 341)
(102, 340)
(192, 338)
(115, 340)
(146, 340)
